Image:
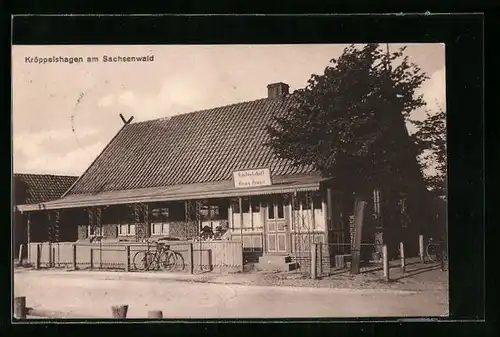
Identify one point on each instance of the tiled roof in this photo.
(197, 147)
(36, 188)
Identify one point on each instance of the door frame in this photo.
(285, 219)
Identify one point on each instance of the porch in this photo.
(278, 224)
(282, 220)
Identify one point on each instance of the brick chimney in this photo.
(277, 90)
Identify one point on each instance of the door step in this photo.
(276, 263)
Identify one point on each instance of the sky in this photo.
(64, 114)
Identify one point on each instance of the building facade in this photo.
(211, 169)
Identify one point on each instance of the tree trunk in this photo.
(359, 210)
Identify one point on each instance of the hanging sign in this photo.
(252, 178)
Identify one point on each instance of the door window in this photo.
(270, 210)
(276, 209)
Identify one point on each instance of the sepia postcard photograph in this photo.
(229, 181)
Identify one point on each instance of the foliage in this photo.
(349, 122)
(430, 139)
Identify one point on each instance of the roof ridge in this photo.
(213, 108)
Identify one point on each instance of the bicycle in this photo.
(435, 251)
(162, 257)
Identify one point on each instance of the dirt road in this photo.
(88, 295)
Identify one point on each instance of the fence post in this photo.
(242, 259)
(50, 254)
(100, 254)
(53, 265)
(421, 248)
(119, 311)
(91, 258)
(442, 256)
(38, 252)
(320, 258)
(127, 258)
(191, 258)
(402, 253)
(20, 307)
(74, 256)
(386, 263)
(313, 261)
(20, 259)
(155, 314)
(28, 229)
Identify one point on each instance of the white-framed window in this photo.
(210, 212)
(126, 229)
(160, 229)
(93, 231)
(160, 214)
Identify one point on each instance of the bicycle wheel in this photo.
(431, 252)
(179, 261)
(139, 260)
(167, 261)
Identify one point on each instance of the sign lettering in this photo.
(252, 178)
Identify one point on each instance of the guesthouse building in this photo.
(171, 177)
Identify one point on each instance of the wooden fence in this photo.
(218, 256)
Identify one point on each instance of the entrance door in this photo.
(276, 227)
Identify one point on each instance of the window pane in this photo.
(214, 211)
(204, 213)
(164, 213)
(270, 211)
(281, 211)
(166, 229)
(123, 229)
(131, 230)
(157, 229)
